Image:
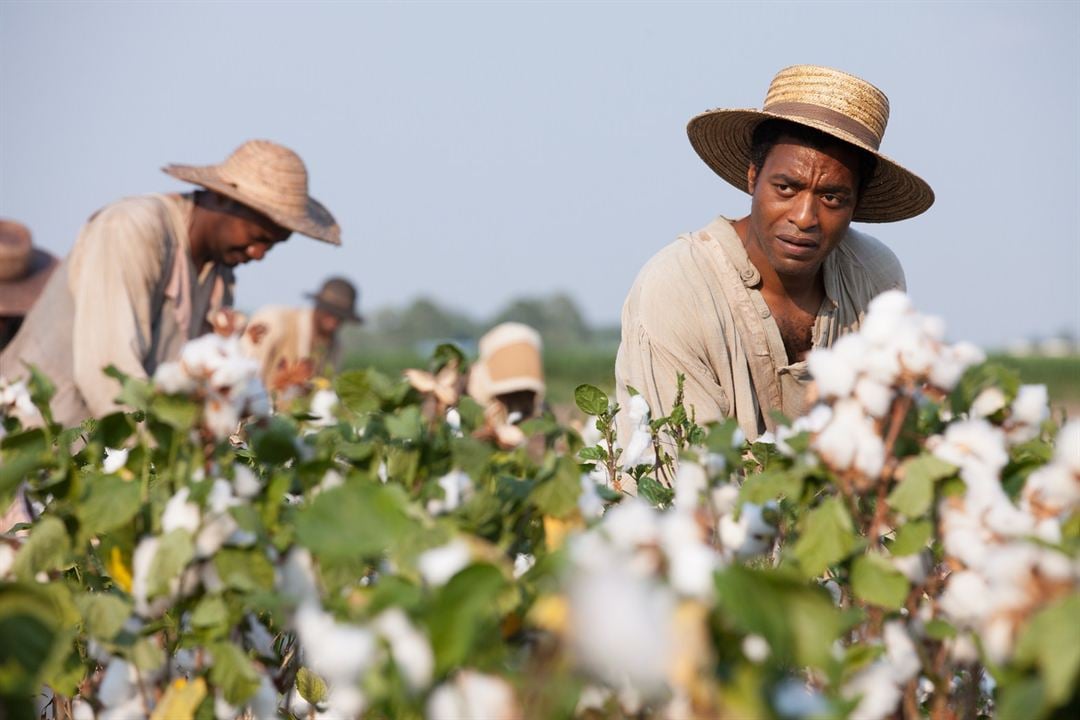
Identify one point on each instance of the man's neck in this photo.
(804, 290)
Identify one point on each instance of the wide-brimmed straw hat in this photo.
(510, 361)
(269, 178)
(834, 102)
(24, 269)
(337, 296)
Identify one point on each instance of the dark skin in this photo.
(227, 232)
(326, 325)
(802, 203)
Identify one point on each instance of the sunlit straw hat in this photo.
(338, 296)
(269, 178)
(24, 269)
(833, 102)
(509, 361)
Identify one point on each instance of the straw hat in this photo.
(338, 296)
(269, 178)
(24, 269)
(509, 362)
(833, 102)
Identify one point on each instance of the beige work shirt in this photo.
(696, 308)
(286, 334)
(128, 294)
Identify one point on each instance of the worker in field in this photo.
(279, 337)
(146, 273)
(509, 374)
(737, 305)
(24, 269)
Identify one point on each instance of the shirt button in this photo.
(765, 313)
(747, 274)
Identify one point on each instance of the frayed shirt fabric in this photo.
(696, 308)
(127, 295)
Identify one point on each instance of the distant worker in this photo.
(24, 270)
(510, 371)
(146, 272)
(279, 337)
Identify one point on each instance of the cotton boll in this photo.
(246, 484)
(473, 695)
(440, 564)
(216, 530)
(690, 562)
(883, 315)
(631, 523)
(409, 647)
(900, 652)
(756, 648)
(1031, 405)
(690, 482)
(453, 419)
(180, 514)
(639, 450)
(966, 598)
(962, 649)
(639, 411)
(914, 567)
(172, 379)
(343, 701)
(988, 402)
(81, 710)
(323, 404)
(220, 417)
(724, 498)
(333, 650)
(622, 626)
(997, 638)
(259, 638)
(1068, 446)
(296, 577)
(972, 443)
(874, 396)
(833, 374)
(264, 704)
(118, 684)
(851, 441)
(523, 563)
(878, 692)
(141, 563)
(748, 536)
(114, 460)
(794, 699)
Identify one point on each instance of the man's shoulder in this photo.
(865, 254)
(140, 209)
(678, 260)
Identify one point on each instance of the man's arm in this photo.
(116, 265)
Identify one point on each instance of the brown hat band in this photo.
(829, 117)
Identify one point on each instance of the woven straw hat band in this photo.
(270, 174)
(831, 97)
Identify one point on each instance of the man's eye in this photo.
(832, 200)
(784, 189)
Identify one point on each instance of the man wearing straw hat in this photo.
(280, 337)
(146, 272)
(737, 305)
(23, 272)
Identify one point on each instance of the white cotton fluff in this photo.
(750, 535)
(622, 626)
(323, 404)
(471, 694)
(756, 648)
(180, 514)
(7, 559)
(836, 369)
(245, 482)
(343, 701)
(690, 482)
(118, 684)
(172, 379)
(850, 441)
(335, 651)
(259, 638)
(691, 562)
(900, 652)
(1068, 446)
(878, 692)
(638, 413)
(81, 710)
(296, 577)
(639, 449)
(264, 703)
(794, 699)
(966, 598)
(914, 567)
(1052, 489)
(408, 646)
(972, 444)
(216, 530)
(590, 504)
(875, 397)
(457, 488)
(114, 460)
(1032, 405)
(631, 523)
(523, 563)
(440, 564)
(724, 498)
(988, 402)
(220, 417)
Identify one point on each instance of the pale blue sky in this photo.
(478, 152)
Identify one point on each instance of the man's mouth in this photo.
(798, 246)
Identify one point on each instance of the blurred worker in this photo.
(24, 270)
(280, 337)
(510, 371)
(146, 272)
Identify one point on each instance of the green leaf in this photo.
(275, 444)
(915, 493)
(827, 537)
(799, 621)
(245, 570)
(558, 495)
(356, 392)
(593, 453)
(911, 537)
(30, 634)
(175, 411)
(874, 580)
(210, 612)
(590, 399)
(109, 502)
(978, 378)
(462, 612)
(147, 654)
(47, 549)
(354, 520)
(1051, 640)
(104, 614)
(174, 551)
(1022, 700)
(310, 686)
(651, 491)
(939, 630)
(405, 424)
(233, 673)
(771, 485)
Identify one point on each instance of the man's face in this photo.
(803, 200)
(326, 323)
(242, 234)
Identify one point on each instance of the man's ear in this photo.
(751, 178)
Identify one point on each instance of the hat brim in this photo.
(18, 296)
(316, 222)
(722, 138)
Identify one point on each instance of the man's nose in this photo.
(803, 214)
(256, 251)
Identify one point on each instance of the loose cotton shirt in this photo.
(128, 295)
(286, 335)
(696, 308)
